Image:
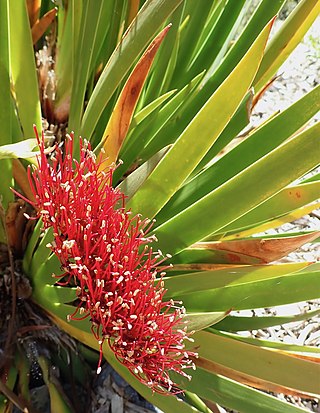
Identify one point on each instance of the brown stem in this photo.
(21, 177)
(13, 294)
(17, 401)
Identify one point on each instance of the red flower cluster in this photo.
(104, 251)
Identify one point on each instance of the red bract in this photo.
(105, 252)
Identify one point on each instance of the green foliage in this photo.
(196, 99)
(5, 106)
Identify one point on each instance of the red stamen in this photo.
(105, 251)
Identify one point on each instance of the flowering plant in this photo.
(104, 252)
(161, 93)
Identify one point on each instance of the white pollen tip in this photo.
(98, 370)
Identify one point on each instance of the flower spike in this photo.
(105, 252)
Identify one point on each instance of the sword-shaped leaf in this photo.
(259, 143)
(142, 29)
(263, 249)
(119, 122)
(184, 155)
(234, 395)
(268, 369)
(24, 76)
(244, 288)
(241, 323)
(241, 193)
(285, 41)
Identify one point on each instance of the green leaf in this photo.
(197, 256)
(131, 184)
(315, 177)
(32, 244)
(197, 17)
(274, 223)
(143, 28)
(283, 203)
(273, 368)
(5, 95)
(195, 401)
(184, 155)
(23, 366)
(294, 349)
(236, 124)
(41, 252)
(286, 39)
(148, 131)
(115, 29)
(165, 61)
(241, 193)
(24, 76)
(199, 321)
(58, 400)
(243, 287)
(254, 147)
(120, 119)
(58, 294)
(69, 24)
(95, 14)
(21, 149)
(147, 110)
(229, 393)
(5, 109)
(193, 282)
(217, 41)
(240, 323)
(60, 313)
(46, 273)
(263, 14)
